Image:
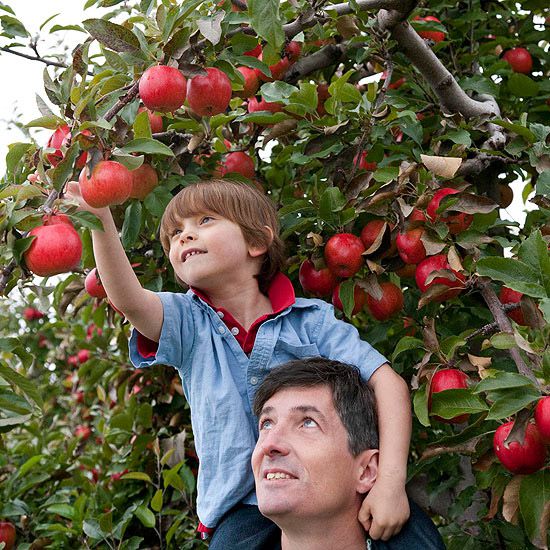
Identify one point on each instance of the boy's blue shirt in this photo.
(220, 381)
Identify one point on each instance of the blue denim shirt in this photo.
(219, 381)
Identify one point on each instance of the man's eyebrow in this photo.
(297, 408)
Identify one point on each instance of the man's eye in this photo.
(265, 424)
(309, 423)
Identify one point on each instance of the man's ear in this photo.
(256, 251)
(367, 470)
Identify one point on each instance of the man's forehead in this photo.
(301, 399)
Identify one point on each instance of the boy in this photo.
(239, 320)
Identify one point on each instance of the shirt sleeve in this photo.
(340, 341)
(176, 338)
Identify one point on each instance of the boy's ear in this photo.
(256, 251)
(366, 470)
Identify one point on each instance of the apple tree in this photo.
(388, 134)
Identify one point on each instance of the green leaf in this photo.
(88, 220)
(137, 475)
(509, 401)
(450, 403)
(145, 515)
(543, 184)
(29, 465)
(420, 405)
(503, 340)
(149, 146)
(534, 496)
(498, 380)
(12, 27)
(534, 252)
(64, 169)
(332, 200)
(27, 386)
(50, 121)
(111, 35)
(346, 294)
(142, 127)
(93, 530)
(132, 223)
(64, 510)
(386, 174)
(16, 151)
(8, 423)
(516, 128)
(156, 501)
(262, 117)
(521, 85)
(406, 343)
(157, 200)
(458, 136)
(277, 91)
(265, 20)
(513, 273)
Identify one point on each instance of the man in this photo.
(317, 457)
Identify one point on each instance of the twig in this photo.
(490, 327)
(504, 324)
(123, 101)
(34, 58)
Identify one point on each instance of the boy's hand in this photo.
(72, 193)
(384, 510)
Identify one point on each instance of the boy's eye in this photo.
(176, 232)
(206, 219)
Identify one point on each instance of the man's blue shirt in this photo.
(220, 381)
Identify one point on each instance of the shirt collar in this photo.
(280, 293)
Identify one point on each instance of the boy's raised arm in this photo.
(141, 307)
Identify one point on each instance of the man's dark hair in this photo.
(353, 400)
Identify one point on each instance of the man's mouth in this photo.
(273, 475)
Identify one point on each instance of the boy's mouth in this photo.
(192, 252)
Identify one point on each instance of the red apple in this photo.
(370, 232)
(322, 95)
(251, 82)
(83, 355)
(93, 285)
(109, 183)
(78, 396)
(162, 88)
(209, 95)
(72, 361)
(57, 248)
(293, 50)
(91, 329)
(517, 458)
(278, 70)
(7, 534)
(61, 137)
(359, 299)
(155, 121)
(319, 282)
(436, 263)
(455, 222)
(519, 59)
(238, 162)
(542, 418)
(448, 379)
(117, 475)
(363, 164)
(509, 296)
(390, 303)
(144, 180)
(32, 314)
(255, 52)
(254, 105)
(410, 247)
(436, 36)
(83, 432)
(343, 254)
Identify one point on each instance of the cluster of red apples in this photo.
(345, 253)
(519, 457)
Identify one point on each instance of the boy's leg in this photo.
(244, 528)
(419, 533)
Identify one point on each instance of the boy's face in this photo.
(208, 251)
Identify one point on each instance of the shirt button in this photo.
(253, 380)
(234, 331)
(220, 314)
(221, 329)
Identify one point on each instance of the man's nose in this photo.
(275, 443)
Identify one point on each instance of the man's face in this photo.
(302, 465)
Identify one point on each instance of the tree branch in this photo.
(34, 58)
(504, 324)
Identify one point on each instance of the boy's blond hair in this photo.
(240, 203)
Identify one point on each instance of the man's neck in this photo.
(337, 534)
(246, 304)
